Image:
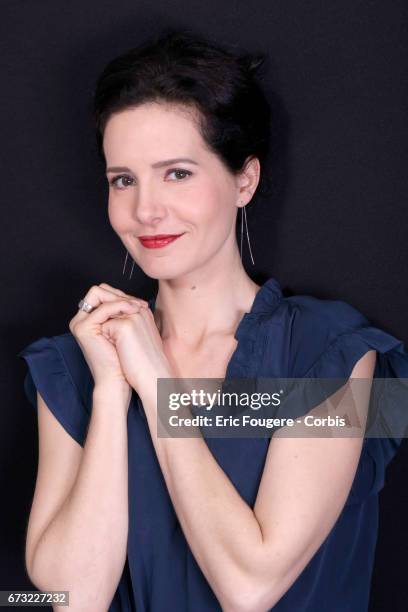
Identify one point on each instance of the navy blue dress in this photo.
(297, 336)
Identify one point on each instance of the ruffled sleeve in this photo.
(58, 370)
(328, 338)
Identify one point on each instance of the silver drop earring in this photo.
(124, 265)
(243, 216)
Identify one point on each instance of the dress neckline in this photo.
(268, 294)
(266, 299)
(241, 363)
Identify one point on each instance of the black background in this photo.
(335, 224)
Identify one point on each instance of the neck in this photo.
(192, 309)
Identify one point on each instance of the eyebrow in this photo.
(160, 164)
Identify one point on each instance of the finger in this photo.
(110, 309)
(119, 292)
(96, 296)
(113, 289)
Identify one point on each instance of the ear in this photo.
(248, 179)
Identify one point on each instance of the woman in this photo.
(124, 519)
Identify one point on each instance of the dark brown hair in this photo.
(180, 67)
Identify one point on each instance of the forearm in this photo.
(83, 549)
(221, 529)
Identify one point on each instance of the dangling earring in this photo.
(124, 265)
(243, 215)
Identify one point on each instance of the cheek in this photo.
(208, 205)
(206, 219)
(118, 216)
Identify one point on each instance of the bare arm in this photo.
(253, 556)
(80, 543)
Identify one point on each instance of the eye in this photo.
(179, 171)
(115, 181)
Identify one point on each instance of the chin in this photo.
(166, 271)
(160, 271)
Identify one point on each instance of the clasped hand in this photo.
(120, 340)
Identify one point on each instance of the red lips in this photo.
(158, 241)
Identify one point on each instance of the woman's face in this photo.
(150, 195)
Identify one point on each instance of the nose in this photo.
(147, 208)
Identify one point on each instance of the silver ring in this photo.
(82, 305)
